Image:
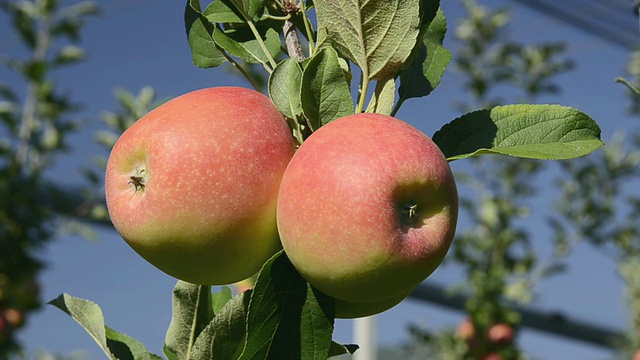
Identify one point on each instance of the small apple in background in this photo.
(492, 356)
(466, 330)
(13, 316)
(367, 209)
(500, 334)
(192, 186)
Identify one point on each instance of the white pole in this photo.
(364, 334)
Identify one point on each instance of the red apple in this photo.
(492, 356)
(500, 334)
(367, 208)
(466, 330)
(192, 186)
(14, 317)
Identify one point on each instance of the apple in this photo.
(367, 209)
(466, 330)
(492, 356)
(13, 316)
(500, 334)
(192, 186)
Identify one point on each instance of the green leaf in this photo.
(89, 315)
(378, 36)
(340, 349)
(431, 62)
(220, 299)
(284, 88)
(224, 337)
(223, 12)
(192, 312)
(124, 347)
(69, 54)
(254, 8)
(204, 52)
(383, 97)
(550, 132)
(242, 43)
(287, 319)
(325, 94)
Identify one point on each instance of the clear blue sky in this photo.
(138, 43)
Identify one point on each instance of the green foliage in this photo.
(35, 129)
(115, 345)
(283, 317)
(324, 94)
(548, 132)
(288, 319)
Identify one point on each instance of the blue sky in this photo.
(138, 43)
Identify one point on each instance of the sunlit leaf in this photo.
(378, 36)
(551, 132)
(325, 94)
(204, 52)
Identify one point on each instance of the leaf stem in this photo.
(397, 106)
(263, 46)
(309, 31)
(240, 7)
(242, 71)
(362, 94)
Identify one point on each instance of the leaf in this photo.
(220, 299)
(383, 97)
(254, 8)
(325, 94)
(204, 52)
(69, 54)
(316, 324)
(124, 347)
(431, 62)
(223, 11)
(192, 312)
(340, 349)
(550, 132)
(224, 337)
(242, 43)
(378, 36)
(89, 315)
(287, 318)
(284, 88)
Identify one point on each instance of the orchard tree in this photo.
(600, 203)
(381, 191)
(496, 252)
(35, 122)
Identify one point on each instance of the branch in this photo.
(291, 39)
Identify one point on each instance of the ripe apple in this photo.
(192, 186)
(13, 316)
(466, 330)
(367, 209)
(500, 334)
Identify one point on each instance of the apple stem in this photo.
(137, 182)
(412, 212)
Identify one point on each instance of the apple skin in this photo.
(192, 186)
(345, 212)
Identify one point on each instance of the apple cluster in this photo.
(210, 185)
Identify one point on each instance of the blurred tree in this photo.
(496, 251)
(600, 202)
(35, 123)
